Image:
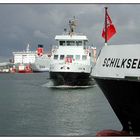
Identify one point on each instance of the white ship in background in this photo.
(38, 60)
(42, 60)
(72, 59)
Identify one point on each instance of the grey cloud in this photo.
(39, 34)
(39, 23)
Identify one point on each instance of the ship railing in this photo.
(84, 46)
(74, 33)
(20, 52)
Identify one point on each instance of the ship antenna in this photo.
(28, 48)
(72, 25)
(65, 30)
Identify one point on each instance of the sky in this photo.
(35, 24)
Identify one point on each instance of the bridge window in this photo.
(78, 43)
(85, 42)
(62, 57)
(70, 43)
(84, 57)
(77, 57)
(62, 43)
(56, 57)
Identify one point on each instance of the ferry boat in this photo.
(117, 72)
(37, 60)
(71, 62)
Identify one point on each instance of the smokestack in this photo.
(40, 50)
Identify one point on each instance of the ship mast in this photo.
(72, 25)
(28, 48)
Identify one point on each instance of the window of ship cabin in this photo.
(70, 43)
(77, 57)
(40, 66)
(56, 57)
(78, 43)
(69, 56)
(62, 43)
(62, 57)
(84, 57)
(85, 42)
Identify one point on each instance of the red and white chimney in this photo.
(40, 50)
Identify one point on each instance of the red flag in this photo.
(110, 28)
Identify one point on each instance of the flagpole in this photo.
(106, 26)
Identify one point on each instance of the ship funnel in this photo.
(40, 50)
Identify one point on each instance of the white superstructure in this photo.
(71, 54)
(24, 57)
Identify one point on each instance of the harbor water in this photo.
(29, 107)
